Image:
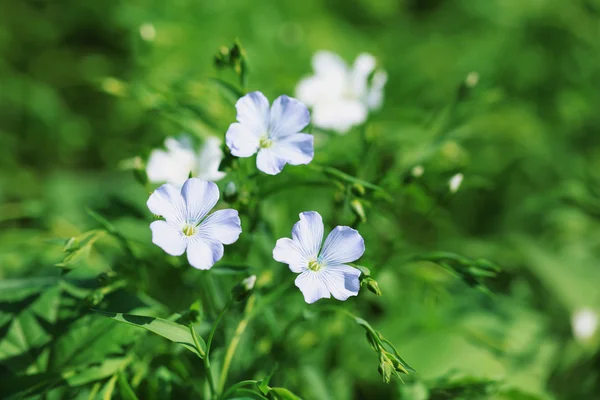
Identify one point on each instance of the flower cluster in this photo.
(340, 98)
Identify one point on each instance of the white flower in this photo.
(322, 272)
(341, 97)
(455, 182)
(585, 323)
(180, 159)
(148, 31)
(273, 133)
(185, 226)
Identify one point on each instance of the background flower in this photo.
(341, 97)
(274, 133)
(322, 272)
(180, 158)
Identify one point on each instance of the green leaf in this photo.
(93, 373)
(79, 247)
(125, 389)
(173, 331)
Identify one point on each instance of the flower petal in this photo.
(168, 238)
(203, 254)
(363, 66)
(209, 160)
(222, 225)
(312, 286)
(200, 197)
(174, 165)
(295, 149)
(241, 140)
(253, 112)
(288, 251)
(339, 114)
(269, 162)
(343, 245)
(375, 96)
(167, 202)
(341, 281)
(328, 63)
(308, 234)
(288, 116)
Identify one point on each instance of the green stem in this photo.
(204, 356)
(235, 387)
(349, 178)
(235, 342)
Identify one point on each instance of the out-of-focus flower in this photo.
(417, 171)
(148, 31)
(272, 132)
(455, 182)
(322, 272)
(175, 164)
(185, 227)
(585, 323)
(342, 96)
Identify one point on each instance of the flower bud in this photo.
(358, 210)
(455, 182)
(373, 286)
(358, 190)
(230, 192)
(386, 369)
(243, 290)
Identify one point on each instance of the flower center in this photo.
(189, 230)
(265, 142)
(315, 265)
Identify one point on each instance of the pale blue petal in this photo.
(295, 149)
(199, 197)
(343, 245)
(168, 238)
(253, 113)
(223, 226)
(241, 141)
(312, 286)
(308, 234)
(167, 202)
(203, 254)
(288, 116)
(288, 251)
(268, 162)
(341, 281)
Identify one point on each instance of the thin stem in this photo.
(235, 341)
(235, 387)
(350, 179)
(204, 355)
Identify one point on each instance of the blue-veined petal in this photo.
(295, 149)
(241, 140)
(222, 225)
(168, 238)
(289, 252)
(343, 245)
(341, 281)
(253, 113)
(167, 202)
(269, 162)
(200, 197)
(308, 233)
(202, 253)
(312, 286)
(288, 116)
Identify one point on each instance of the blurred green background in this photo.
(85, 85)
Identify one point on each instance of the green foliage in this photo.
(503, 91)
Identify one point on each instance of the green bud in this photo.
(358, 210)
(95, 298)
(358, 190)
(230, 192)
(386, 369)
(373, 286)
(243, 290)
